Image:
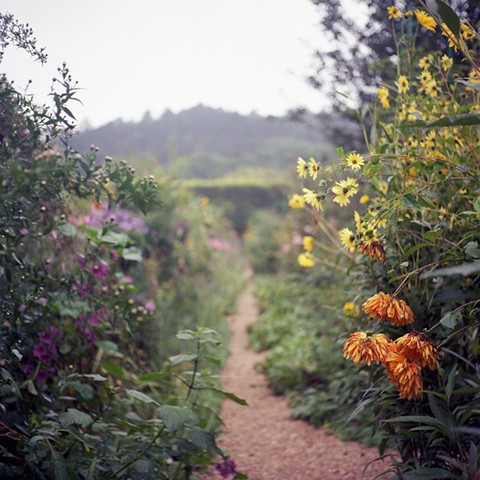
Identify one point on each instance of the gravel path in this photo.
(265, 443)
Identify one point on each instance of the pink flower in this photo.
(99, 270)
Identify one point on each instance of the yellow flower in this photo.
(467, 32)
(367, 347)
(354, 160)
(313, 168)
(302, 167)
(409, 13)
(364, 199)
(425, 20)
(296, 201)
(393, 12)
(446, 62)
(384, 306)
(306, 260)
(308, 243)
(425, 77)
(351, 309)
(452, 40)
(403, 84)
(432, 89)
(204, 201)
(383, 187)
(425, 62)
(347, 237)
(416, 347)
(384, 97)
(405, 375)
(343, 190)
(312, 198)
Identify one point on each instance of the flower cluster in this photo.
(403, 358)
(226, 468)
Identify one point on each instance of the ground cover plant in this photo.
(96, 381)
(412, 246)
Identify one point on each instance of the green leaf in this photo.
(60, 466)
(107, 346)
(132, 253)
(472, 250)
(474, 85)
(205, 440)
(423, 201)
(340, 153)
(186, 335)
(409, 201)
(450, 320)
(67, 229)
(449, 17)
(75, 417)
(113, 238)
(175, 417)
(432, 234)
(464, 269)
(86, 391)
(141, 396)
(231, 396)
(466, 119)
(113, 368)
(176, 359)
(95, 377)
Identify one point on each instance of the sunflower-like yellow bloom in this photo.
(306, 260)
(313, 168)
(312, 198)
(343, 190)
(403, 84)
(308, 243)
(416, 347)
(384, 97)
(347, 237)
(404, 374)
(355, 161)
(467, 32)
(367, 347)
(452, 39)
(446, 62)
(364, 199)
(351, 309)
(384, 306)
(425, 20)
(393, 12)
(296, 201)
(425, 62)
(302, 167)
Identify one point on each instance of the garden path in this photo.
(265, 443)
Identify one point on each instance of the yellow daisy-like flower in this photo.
(313, 168)
(409, 13)
(384, 97)
(405, 375)
(425, 20)
(296, 201)
(308, 243)
(467, 32)
(403, 84)
(425, 77)
(446, 62)
(384, 306)
(347, 237)
(364, 199)
(393, 12)
(312, 198)
(432, 89)
(416, 347)
(351, 309)
(343, 190)
(306, 260)
(425, 62)
(452, 39)
(302, 167)
(355, 161)
(367, 347)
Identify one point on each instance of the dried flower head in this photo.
(384, 306)
(416, 347)
(373, 248)
(405, 375)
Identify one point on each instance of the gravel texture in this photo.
(265, 443)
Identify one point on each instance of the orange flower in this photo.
(405, 375)
(416, 347)
(365, 346)
(373, 249)
(384, 306)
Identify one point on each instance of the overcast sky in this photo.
(132, 56)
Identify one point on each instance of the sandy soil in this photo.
(265, 443)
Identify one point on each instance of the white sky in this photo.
(132, 56)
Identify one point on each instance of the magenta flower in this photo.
(99, 270)
(226, 468)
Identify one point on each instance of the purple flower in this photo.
(40, 351)
(42, 376)
(99, 270)
(28, 369)
(150, 307)
(226, 468)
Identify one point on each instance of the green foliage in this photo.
(91, 387)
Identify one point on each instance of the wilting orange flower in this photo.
(367, 347)
(416, 347)
(385, 306)
(405, 375)
(373, 248)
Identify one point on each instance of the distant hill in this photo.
(204, 142)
